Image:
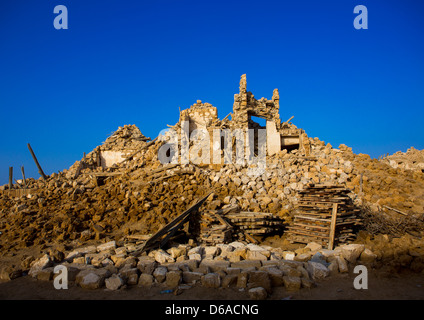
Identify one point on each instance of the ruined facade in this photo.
(200, 115)
(279, 135)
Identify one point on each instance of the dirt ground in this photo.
(381, 286)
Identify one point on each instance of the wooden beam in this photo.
(40, 170)
(290, 119)
(10, 178)
(250, 238)
(332, 227)
(23, 176)
(98, 157)
(396, 210)
(226, 116)
(169, 229)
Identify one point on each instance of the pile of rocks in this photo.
(138, 196)
(412, 159)
(141, 199)
(244, 266)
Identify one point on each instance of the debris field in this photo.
(120, 217)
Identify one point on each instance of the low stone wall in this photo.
(248, 267)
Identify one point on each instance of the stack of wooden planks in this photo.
(214, 229)
(229, 224)
(258, 223)
(211, 228)
(313, 221)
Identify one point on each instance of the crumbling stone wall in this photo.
(200, 115)
(245, 106)
(114, 150)
(280, 135)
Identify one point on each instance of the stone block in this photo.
(173, 279)
(229, 280)
(145, 280)
(292, 283)
(127, 272)
(211, 280)
(288, 255)
(10, 273)
(231, 270)
(307, 283)
(160, 274)
(132, 279)
(255, 255)
(258, 293)
(190, 264)
(146, 264)
(246, 264)
(92, 278)
(114, 282)
(367, 256)
(190, 277)
(215, 265)
(106, 246)
(162, 257)
(317, 270)
(342, 264)
(242, 279)
(80, 251)
(313, 246)
(303, 257)
(195, 256)
(196, 250)
(45, 274)
(211, 251)
(40, 264)
(333, 268)
(177, 252)
(276, 277)
(259, 279)
(351, 252)
(290, 271)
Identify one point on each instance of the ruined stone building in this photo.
(279, 135)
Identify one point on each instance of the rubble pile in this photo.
(113, 266)
(385, 186)
(121, 190)
(412, 159)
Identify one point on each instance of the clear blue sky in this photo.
(137, 62)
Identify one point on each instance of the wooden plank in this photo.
(171, 228)
(139, 237)
(98, 157)
(10, 178)
(23, 176)
(310, 226)
(332, 227)
(250, 238)
(396, 210)
(313, 219)
(40, 170)
(309, 234)
(222, 220)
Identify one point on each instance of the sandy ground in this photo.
(381, 286)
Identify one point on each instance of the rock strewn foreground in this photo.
(256, 269)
